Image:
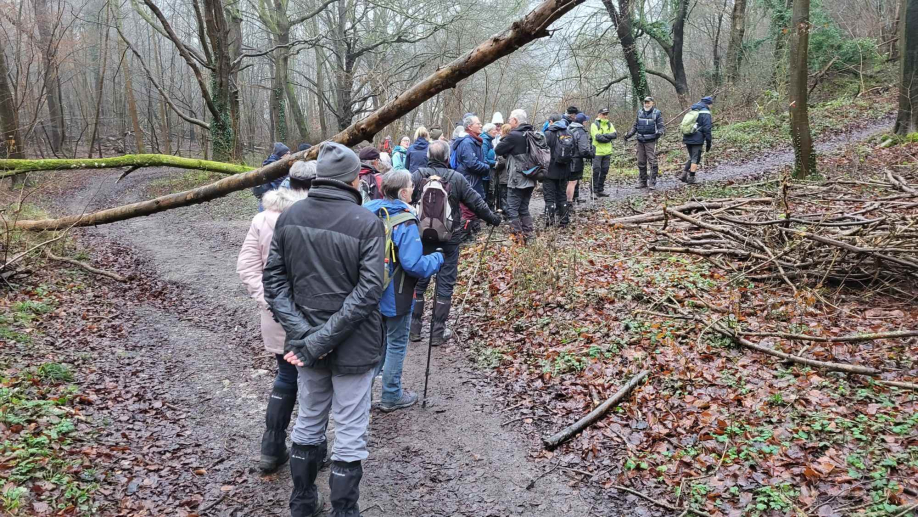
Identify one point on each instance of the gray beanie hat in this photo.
(337, 162)
(303, 171)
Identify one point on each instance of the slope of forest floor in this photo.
(718, 428)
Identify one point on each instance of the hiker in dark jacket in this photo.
(323, 281)
(647, 128)
(583, 151)
(488, 134)
(554, 187)
(701, 137)
(406, 267)
(460, 192)
(500, 174)
(280, 150)
(417, 152)
(468, 156)
(519, 186)
(370, 177)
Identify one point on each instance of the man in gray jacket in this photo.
(323, 281)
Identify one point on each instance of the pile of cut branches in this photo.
(845, 230)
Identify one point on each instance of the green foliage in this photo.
(55, 372)
(828, 41)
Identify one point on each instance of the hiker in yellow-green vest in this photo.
(603, 132)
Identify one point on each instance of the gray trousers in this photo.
(647, 154)
(348, 399)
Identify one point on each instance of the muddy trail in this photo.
(202, 356)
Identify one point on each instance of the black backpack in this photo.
(567, 148)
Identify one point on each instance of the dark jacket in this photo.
(324, 276)
(258, 191)
(470, 160)
(556, 171)
(417, 155)
(459, 192)
(583, 145)
(513, 144)
(411, 263)
(648, 125)
(703, 135)
(487, 150)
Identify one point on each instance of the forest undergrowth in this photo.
(719, 428)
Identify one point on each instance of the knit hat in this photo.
(369, 154)
(303, 171)
(497, 119)
(435, 133)
(707, 100)
(581, 118)
(303, 147)
(337, 162)
(573, 110)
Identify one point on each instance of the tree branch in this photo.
(303, 18)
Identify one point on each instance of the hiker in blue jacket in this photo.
(409, 266)
(696, 139)
(280, 150)
(468, 159)
(416, 157)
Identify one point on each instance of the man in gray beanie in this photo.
(323, 281)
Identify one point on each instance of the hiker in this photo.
(554, 187)
(437, 134)
(323, 281)
(488, 134)
(303, 147)
(250, 266)
(519, 186)
(500, 176)
(400, 153)
(696, 132)
(280, 150)
(603, 132)
(648, 127)
(416, 156)
(583, 151)
(407, 263)
(467, 158)
(370, 176)
(571, 113)
(457, 190)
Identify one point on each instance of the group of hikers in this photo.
(343, 250)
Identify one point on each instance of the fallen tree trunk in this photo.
(87, 267)
(659, 215)
(851, 338)
(16, 167)
(573, 429)
(530, 27)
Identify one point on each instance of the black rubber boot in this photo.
(642, 177)
(344, 481)
(274, 441)
(438, 331)
(564, 214)
(305, 501)
(417, 320)
(528, 228)
(550, 212)
(652, 181)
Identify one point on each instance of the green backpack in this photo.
(689, 125)
(391, 256)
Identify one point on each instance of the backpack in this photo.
(435, 214)
(391, 256)
(567, 149)
(689, 125)
(535, 162)
(370, 190)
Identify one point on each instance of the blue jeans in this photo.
(391, 365)
(285, 380)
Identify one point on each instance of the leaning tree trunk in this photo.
(46, 40)
(779, 27)
(907, 119)
(735, 47)
(676, 62)
(9, 119)
(279, 83)
(804, 157)
(622, 18)
(225, 40)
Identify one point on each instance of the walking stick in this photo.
(474, 274)
(430, 339)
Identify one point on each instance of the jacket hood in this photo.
(393, 206)
(400, 149)
(420, 144)
(280, 149)
(574, 125)
(486, 137)
(367, 169)
(700, 106)
(281, 199)
(560, 125)
(522, 128)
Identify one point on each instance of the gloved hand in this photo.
(298, 348)
(493, 219)
(627, 138)
(708, 147)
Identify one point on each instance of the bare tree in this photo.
(48, 24)
(9, 116)
(804, 157)
(623, 20)
(671, 39)
(735, 47)
(907, 118)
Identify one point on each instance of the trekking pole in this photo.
(474, 274)
(430, 340)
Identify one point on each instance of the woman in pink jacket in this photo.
(250, 266)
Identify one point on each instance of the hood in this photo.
(560, 125)
(400, 149)
(522, 128)
(486, 137)
(280, 149)
(281, 199)
(393, 206)
(575, 125)
(420, 144)
(700, 106)
(367, 169)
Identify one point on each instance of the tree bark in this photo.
(780, 25)
(128, 84)
(623, 19)
(676, 62)
(530, 27)
(804, 155)
(47, 24)
(20, 166)
(907, 118)
(100, 88)
(735, 47)
(12, 146)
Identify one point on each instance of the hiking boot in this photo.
(273, 441)
(601, 194)
(344, 482)
(439, 334)
(408, 399)
(652, 181)
(550, 211)
(691, 178)
(417, 320)
(683, 177)
(642, 184)
(526, 223)
(305, 501)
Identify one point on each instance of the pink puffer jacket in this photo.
(254, 254)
